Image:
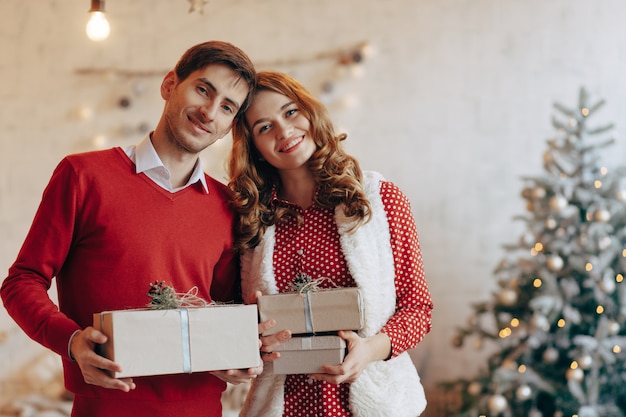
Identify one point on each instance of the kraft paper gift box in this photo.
(157, 342)
(307, 354)
(313, 311)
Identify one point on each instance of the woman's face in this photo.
(280, 131)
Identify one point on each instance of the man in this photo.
(111, 222)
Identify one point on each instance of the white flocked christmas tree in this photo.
(554, 328)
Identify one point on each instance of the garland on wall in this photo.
(349, 60)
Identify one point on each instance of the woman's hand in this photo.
(361, 352)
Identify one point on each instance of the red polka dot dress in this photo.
(313, 248)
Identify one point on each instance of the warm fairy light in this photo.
(617, 349)
(537, 282)
(619, 278)
(521, 369)
(624, 253)
(514, 322)
(533, 252)
(585, 112)
(538, 246)
(599, 309)
(573, 365)
(588, 266)
(506, 332)
(597, 184)
(561, 323)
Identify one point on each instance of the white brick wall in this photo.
(454, 107)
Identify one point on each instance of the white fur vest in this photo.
(389, 388)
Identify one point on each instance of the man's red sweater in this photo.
(106, 233)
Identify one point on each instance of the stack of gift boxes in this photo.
(313, 317)
(217, 337)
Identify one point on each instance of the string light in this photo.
(98, 28)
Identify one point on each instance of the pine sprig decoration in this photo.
(162, 297)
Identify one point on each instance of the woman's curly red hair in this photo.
(337, 175)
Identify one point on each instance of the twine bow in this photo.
(304, 283)
(164, 297)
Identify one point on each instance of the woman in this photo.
(307, 209)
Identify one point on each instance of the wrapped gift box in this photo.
(307, 354)
(156, 342)
(313, 311)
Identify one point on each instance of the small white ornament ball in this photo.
(548, 157)
(604, 242)
(550, 355)
(551, 223)
(555, 263)
(585, 361)
(538, 193)
(523, 392)
(602, 215)
(558, 203)
(576, 374)
(539, 321)
(497, 404)
(508, 296)
(607, 285)
(474, 388)
(613, 327)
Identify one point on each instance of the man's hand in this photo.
(239, 376)
(270, 343)
(93, 366)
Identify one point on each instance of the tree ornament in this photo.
(474, 389)
(539, 321)
(575, 374)
(607, 285)
(555, 263)
(551, 223)
(585, 361)
(604, 242)
(550, 355)
(602, 215)
(507, 296)
(613, 327)
(497, 404)
(548, 157)
(538, 193)
(558, 203)
(523, 392)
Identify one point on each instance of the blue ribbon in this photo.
(184, 326)
(308, 313)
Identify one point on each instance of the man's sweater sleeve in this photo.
(25, 290)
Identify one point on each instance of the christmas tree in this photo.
(554, 326)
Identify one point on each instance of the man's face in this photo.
(200, 109)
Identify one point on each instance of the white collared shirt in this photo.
(146, 160)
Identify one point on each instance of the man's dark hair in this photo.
(218, 52)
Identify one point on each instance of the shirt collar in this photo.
(147, 158)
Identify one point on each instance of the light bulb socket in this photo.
(97, 6)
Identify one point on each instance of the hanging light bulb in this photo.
(98, 28)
